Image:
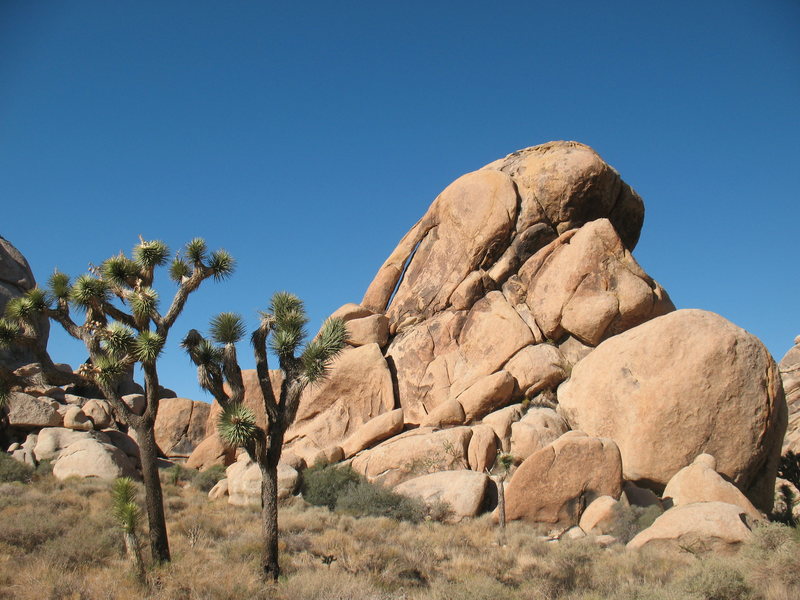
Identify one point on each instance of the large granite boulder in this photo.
(684, 384)
(93, 458)
(244, 481)
(180, 426)
(697, 528)
(463, 491)
(790, 375)
(16, 278)
(555, 484)
(28, 412)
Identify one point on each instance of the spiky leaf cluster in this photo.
(124, 508)
(289, 323)
(144, 302)
(59, 285)
(227, 328)
(179, 269)
(88, 291)
(27, 308)
(324, 348)
(120, 271)
(108, 371)
(237, 425)
(505, 461)
(196, 250)
(8, 333)
(221, 264)
(148, 346)
(149, 255)
(118, 339)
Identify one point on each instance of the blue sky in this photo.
(307, 139)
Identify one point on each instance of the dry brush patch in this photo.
(58, 541)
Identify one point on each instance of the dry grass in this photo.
(57, 541)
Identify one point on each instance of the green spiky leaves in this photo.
(124, 508)
(148, 346)
(221, 264)
(89, 291)
(120, 271)
(179, 269)
(227, 328)
(59, 285)
(237, 425)
(152, 254)
(196, 251)
(108, 371)
(289, 323)
(8, 333)
(118, 339)
(144, 303)
(323, 349)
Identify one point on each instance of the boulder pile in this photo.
(513, 318)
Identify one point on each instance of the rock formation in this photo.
(510, 314)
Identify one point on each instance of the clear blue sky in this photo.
(306, 138)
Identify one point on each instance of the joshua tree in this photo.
(117, 340)
(216, 364)
(503, 466)
(126, 512)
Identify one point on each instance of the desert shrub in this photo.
(322, 485)
(13, 470)
(368, 499)
(784, 507)
(205, 480)
(178, 474)
(630, 520)
(716, 580)
(43, 469)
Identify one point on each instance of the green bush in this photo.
(322, 486)
(205, 480)
(178, 474)
(366, 499)
(13, 470)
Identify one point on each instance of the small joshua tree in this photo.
(117, 340)
(284, 325)
(503, 466)
(126, 512)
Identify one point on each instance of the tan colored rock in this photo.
(135, 402)
(486, 395)
(415, 453)
(373, 431)
(244, 482)
(75, 418)
(91, 458)
(567, 183)
(790, 375)
(51, 441)
(482, 450)
(351, 311)
(536, 368)
(327, 456)
(601, 516)
(99, 412)
(463, 491)
(180, 425)
(26, 411)
(124, 442)
(220, 490)
(475, 213)
(699, 528)
(501, 422)
(373, 329)
(699, 482)
(684, 384)
(443, 356)
(587, 283)
(210, 452)
(253, 398)
(358, 389)
(536, 429)
(448, 413)
(555, 484)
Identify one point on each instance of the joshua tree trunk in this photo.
(269, 520)
(501, 509)
(148, 453)
(134, 553)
